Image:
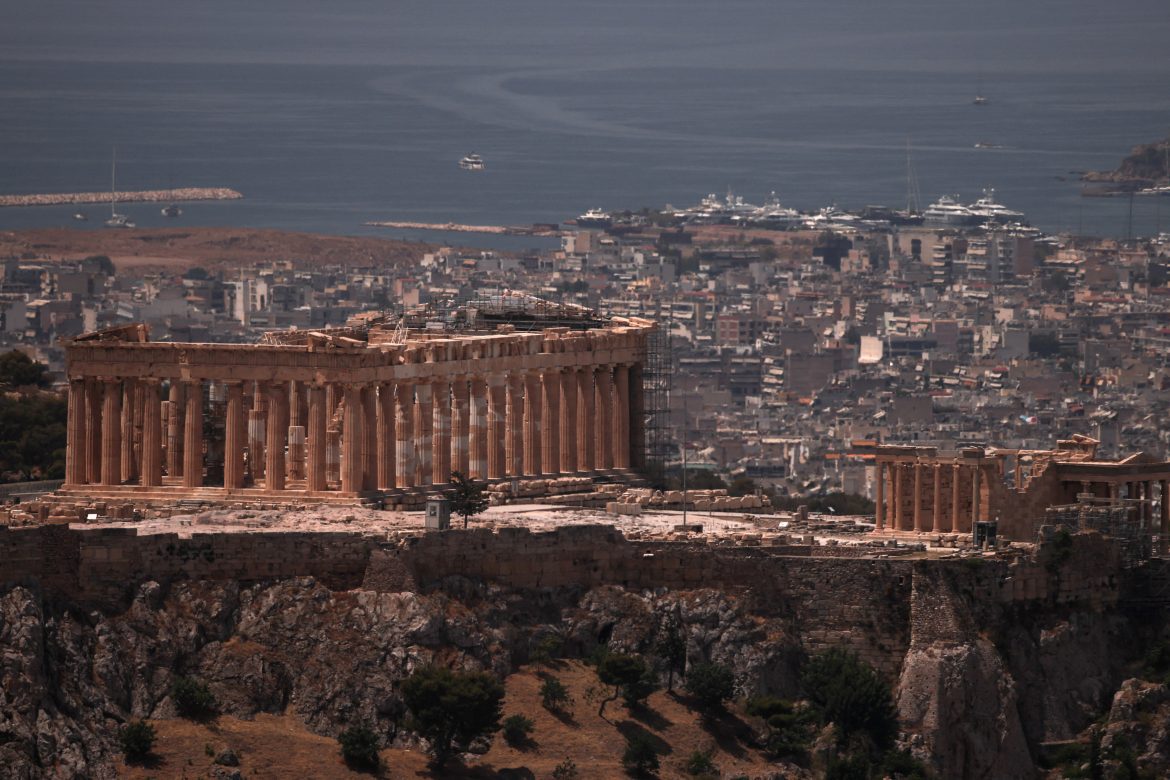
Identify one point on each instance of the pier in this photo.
(138, 196)
(454, 227)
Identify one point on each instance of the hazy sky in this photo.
(937, 35)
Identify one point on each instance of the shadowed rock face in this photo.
(976, 692)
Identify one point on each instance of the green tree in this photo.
(518, 729)
(788, 731)
(629, 677)
(671, 648)
(846, 691)
(554, 696)
(467, 498)
(452, 709)
(640, 758)
(359, 747)
(710, 685)
(19, 370)
(193, 699)
(136, 740)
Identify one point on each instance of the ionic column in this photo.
(899, 494)
(586, 443)
(128, 471)
(94, 405)
(193, 435)
(175, 407)
(637, 418)
(75, 445)
(975, 489)
(532, 439)
(112, 432)
(603, 417)
(351, 441)
(318, 436)
(550, 439)
(423, 433)
(441, 436)
(477, 459)
(568, 421)
(234, 437)
(621, 414)
(955, 479)
(274, 467)
(496, 414)
(879, 503)
(369, 437)
(386, 436)
(936, 512)
(514, 425)
(403, 437)
(917, 497)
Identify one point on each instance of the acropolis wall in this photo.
(350, 414)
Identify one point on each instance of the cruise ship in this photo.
(595, 218)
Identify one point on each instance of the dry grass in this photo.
(272, 747)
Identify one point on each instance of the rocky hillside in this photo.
(981, 688)
(1146, 165)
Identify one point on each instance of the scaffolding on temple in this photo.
(656, 388)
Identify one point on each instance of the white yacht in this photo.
(171, 211)
(472, 162)
(595, 217)
(948, 212)
(116, 220)
(986, 208)
(774, 214)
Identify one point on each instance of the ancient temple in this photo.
(350, 413)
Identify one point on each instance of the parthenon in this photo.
(351, 413)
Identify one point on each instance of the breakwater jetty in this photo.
(454, 227)
(130, 196)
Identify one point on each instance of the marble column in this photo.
(441, 435)
(899, 524)
(621, 397)
(318, 438)
(128, 396)
(369, 437)
(586, 443)
(568, 421)
(514, 425)
(193, 435)
(917, 497)
(879, 489)
(111, 432)
(976, 489)
(477, 459)
(351, 441)
(387, 440)
(403, 435)
(175, 407)
(257, 433)
(233, 437)
(532, 439)
(94, 406)
(550, 439)
(277, 427)
(603, 417)
(936, 511)
(152, 449)
(460, 426)
(137, 425)
(75, 444)
(496, 416)
(423, 433)
(955, 480)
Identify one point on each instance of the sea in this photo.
(326, 115)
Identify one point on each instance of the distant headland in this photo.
(1145, 171)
